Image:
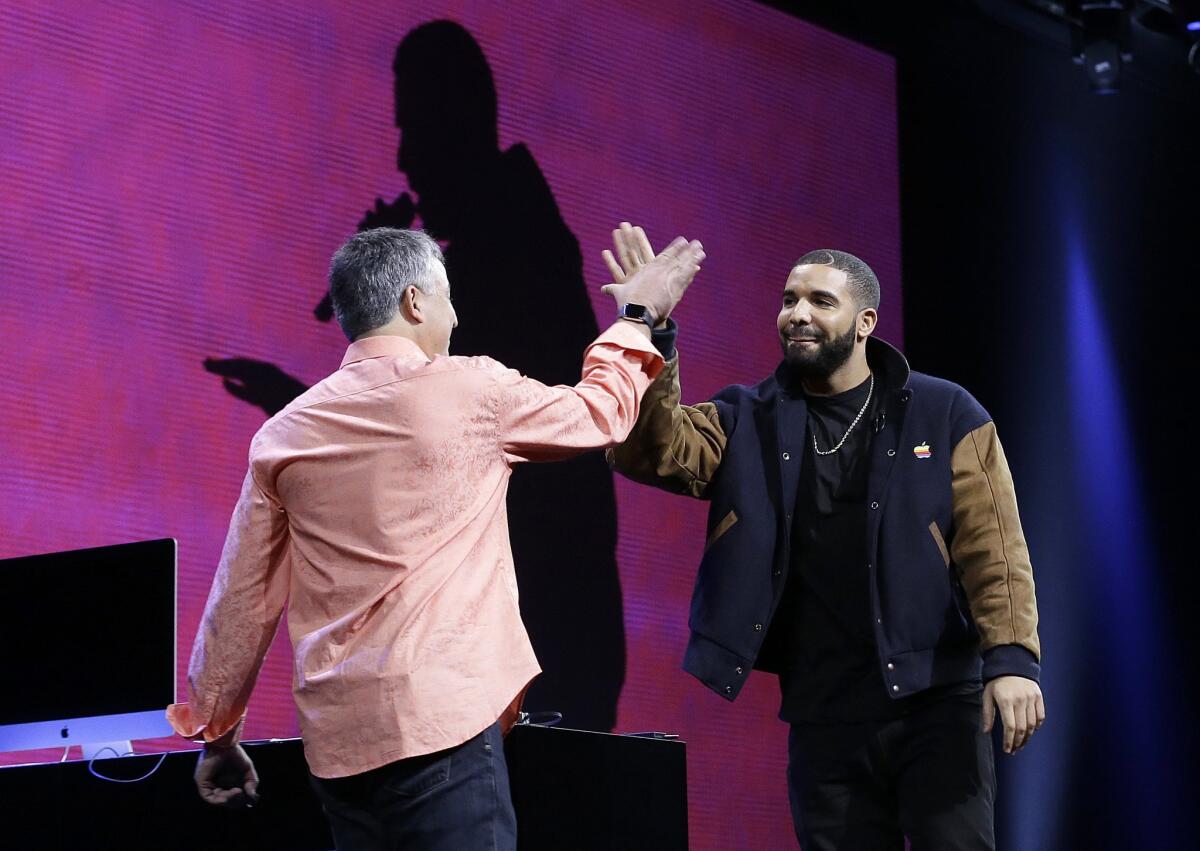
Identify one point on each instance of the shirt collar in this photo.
(382, 346)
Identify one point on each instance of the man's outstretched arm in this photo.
(674, 447)
(540, 423)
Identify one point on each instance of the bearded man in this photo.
(863, 544)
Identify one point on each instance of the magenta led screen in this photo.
(175, 176)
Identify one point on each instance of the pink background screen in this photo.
(173, 181)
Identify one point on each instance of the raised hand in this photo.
(633, 251)
(658, 283)
(257, 382)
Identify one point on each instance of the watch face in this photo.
(634, 311)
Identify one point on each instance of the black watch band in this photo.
(640, 312)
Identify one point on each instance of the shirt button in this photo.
(874, 505)
(891, 452)
(895, 688)
(891, 667)
(786, 457)
(758, 627)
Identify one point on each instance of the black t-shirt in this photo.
(822, 634)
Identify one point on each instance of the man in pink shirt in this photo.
(374, 512)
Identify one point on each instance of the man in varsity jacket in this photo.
(863, 544)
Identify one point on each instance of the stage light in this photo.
(1187, 13)
(1100, 41)
(1102, 60)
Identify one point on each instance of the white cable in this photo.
(97, 774)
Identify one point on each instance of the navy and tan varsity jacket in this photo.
(950, 578)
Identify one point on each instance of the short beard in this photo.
(822, 363)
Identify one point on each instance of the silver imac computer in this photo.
(89, 641)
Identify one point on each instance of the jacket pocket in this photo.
(940, 541)
(727, 523)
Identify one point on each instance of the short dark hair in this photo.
(860, 280)
(370, 272)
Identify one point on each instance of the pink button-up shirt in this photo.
(374, 508)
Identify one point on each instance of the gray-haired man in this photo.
(374, 508)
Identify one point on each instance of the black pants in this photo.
(928, 776)
(453, 800)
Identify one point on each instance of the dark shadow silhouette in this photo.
(516, 275)
(257, 382)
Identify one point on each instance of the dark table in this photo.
(571, 789)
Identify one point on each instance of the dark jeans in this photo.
(453, 800)
(928, 776)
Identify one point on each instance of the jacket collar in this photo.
(888, 363)
(383, 347)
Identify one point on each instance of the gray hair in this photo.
(860, 280)
(370, 272)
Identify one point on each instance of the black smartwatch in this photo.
(639, 312)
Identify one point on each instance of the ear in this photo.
(410, 305)
(865, 323)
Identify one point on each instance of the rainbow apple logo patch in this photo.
(922, 450)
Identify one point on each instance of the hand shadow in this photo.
(260, 383)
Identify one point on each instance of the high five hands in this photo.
(657, 282)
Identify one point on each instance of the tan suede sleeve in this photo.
(672, 446)
(988, 545)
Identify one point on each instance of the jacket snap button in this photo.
(874, 505)
(891, 666)
(729, 689)
(891, 452)
(895, 688)
(786, 457)
(738, 669)
(758, 627)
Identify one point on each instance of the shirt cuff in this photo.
(184, 722)
(625, 335)
(664, 339)
(1010, 660)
